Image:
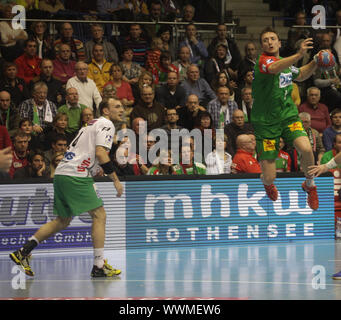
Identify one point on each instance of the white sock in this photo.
(33, 238)
(99, 257)
(310, 182)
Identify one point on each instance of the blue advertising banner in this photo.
(204, 212)
(158, 212)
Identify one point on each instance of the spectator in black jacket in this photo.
(232, 49)
(56, 92)
(236, 128)
(14, 85)
(171, 95)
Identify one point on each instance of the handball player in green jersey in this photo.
(75, 190)
(275, 115)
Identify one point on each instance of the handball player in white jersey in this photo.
(74, 188)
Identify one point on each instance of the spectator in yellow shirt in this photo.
(99, 68)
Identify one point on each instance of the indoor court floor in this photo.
(283, 271)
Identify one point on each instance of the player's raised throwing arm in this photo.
(287, 62)
(108, 168)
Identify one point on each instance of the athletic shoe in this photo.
(337, 276)
(23, 261)
(271, 191)
(106, 271)
(313, 200)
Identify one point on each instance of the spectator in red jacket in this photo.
(244, 160)
(20, 152)
(29, 62)
(63, 66)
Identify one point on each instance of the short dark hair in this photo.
(34, 153)
(268, 29)
(58, 137)
(165, 55)
(19, 134)
(104, 104)
(28, 41)
(24, 120)
(335, 111)
(7, 65)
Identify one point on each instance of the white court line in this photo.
(334, 260)
(180, 281)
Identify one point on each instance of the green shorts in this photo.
(268, 136)
(74, 196)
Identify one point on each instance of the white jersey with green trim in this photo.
(80, 158)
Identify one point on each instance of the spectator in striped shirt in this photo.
(137, 43)
(66, 37)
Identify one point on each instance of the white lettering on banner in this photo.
(192, 231)
(272, 231)
(253, 231)
(233, 232)
(211, 232)
(307, 228)
(206, 199)
(151, 235)
(169, 202)
(289, 230)
(244, 203)
(60, 238)
(293, 205)
(175, 236)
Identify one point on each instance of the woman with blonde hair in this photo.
(145, 79)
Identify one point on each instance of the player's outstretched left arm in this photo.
(108, 168)
(318, 170)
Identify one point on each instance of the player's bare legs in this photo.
(22, 256)
(98, 216)
(52, 227)
(303, 146)
(268, 177)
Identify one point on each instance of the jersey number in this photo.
(74, 142)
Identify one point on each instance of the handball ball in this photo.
(325, 59)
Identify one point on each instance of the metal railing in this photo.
(177, 27)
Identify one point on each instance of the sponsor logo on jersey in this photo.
(84, 165)
(108, 138)
(269, 61)
(296, 126)
(285, 80)
(269, 144)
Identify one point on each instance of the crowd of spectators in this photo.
(51, 85)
